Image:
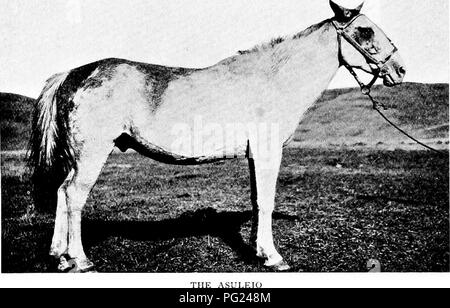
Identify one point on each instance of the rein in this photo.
(366, 88)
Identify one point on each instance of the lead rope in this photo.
(365, 90)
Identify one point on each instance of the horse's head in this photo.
(365, 46)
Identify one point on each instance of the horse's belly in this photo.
(182, 151)
(205, 117)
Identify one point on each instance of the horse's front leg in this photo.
(264, 174)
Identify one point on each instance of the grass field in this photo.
(336, 209)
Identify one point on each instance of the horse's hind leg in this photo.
(60, 235)
(76, 191)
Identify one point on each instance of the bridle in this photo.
(376, 72)
(379, 64)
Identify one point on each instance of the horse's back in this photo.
(113, 70)
(115, 85)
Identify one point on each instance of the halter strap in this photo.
(340, 29)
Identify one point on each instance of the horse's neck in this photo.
(304, 67)
(296, 71)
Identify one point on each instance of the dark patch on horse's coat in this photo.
(363, 35)
(74, 82)
(157, 79)
(105, 73)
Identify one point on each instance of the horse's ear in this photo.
(345, 14)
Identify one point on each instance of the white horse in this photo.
(189, 116)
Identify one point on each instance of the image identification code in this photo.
(208, 299)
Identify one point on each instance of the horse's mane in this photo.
(278, 40)
(310, 29)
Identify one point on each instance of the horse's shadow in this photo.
(225, 225)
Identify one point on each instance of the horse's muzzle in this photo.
(393, 71)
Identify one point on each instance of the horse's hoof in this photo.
(281, 266)
(81, 266)
(64, 266)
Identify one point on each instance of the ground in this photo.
(336, 209)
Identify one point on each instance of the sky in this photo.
(39, 38)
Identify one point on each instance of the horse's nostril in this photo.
(401, 70)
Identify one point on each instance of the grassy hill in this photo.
(15, 118)
(346, 117)
(341, 117)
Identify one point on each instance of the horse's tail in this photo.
(50, 151)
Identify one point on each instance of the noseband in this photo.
(340, 29)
